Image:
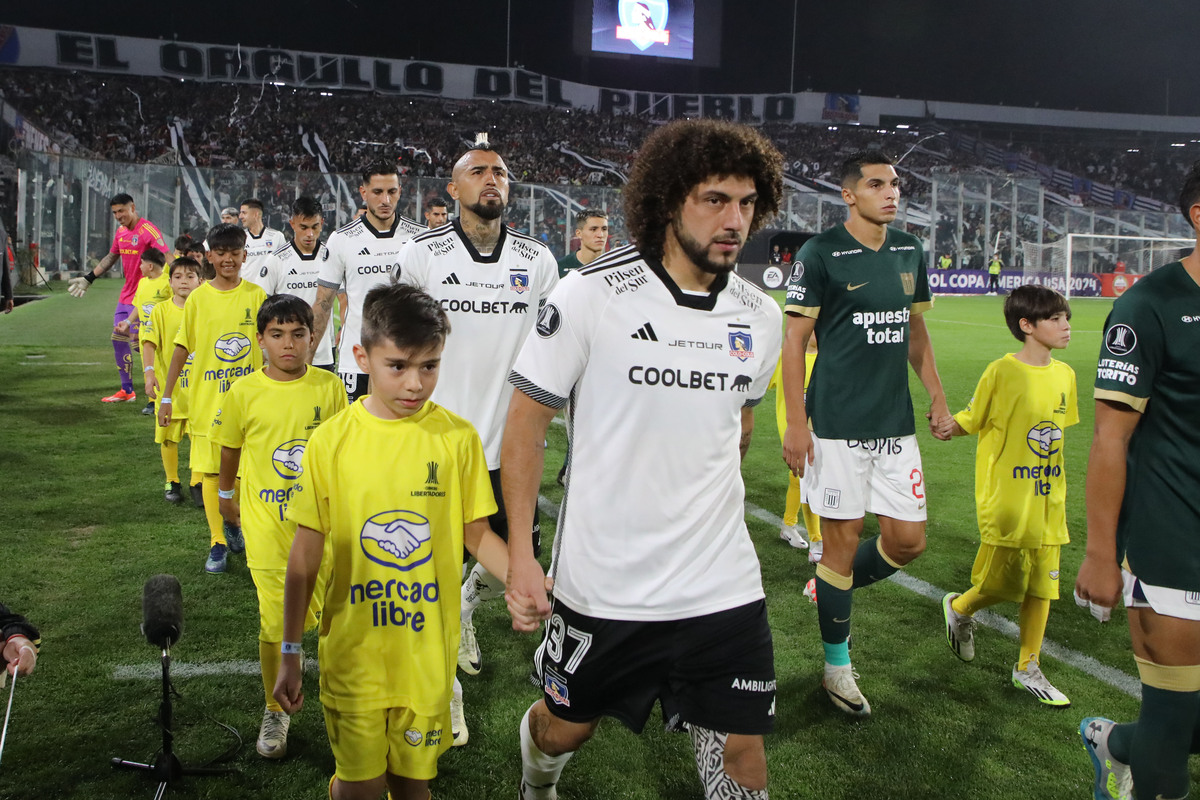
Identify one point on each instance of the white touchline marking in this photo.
(153, 670)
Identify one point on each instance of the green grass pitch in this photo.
(83, 524)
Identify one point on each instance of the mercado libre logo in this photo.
(286, 459)
(398, 539)
(1044, 439)
(231, 346)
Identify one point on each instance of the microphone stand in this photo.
(167, 767)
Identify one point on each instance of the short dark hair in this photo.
(225, 236)
(852, 167)
(154, 256)
(1033, 303)
(380, 166)
(681, 155)
(306, 206)
(189, 264)
(582, 217)
(284, 308)
(253, 202)
(1189, 195)
(120, 199)
(185, 242)
(403, 314)
(434, 202)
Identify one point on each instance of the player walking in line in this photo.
(133, 237)
(261, 241)
(359, 256)
(491, 281)
(657, 589)
(1143, 503)
(861, 286)
(1020, 409)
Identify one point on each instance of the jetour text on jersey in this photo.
(387, 612)
(869, 319)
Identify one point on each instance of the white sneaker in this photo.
(469, 660)
(1113, 779)
(458, 720)
(1032, 680)
(810, 590)
(794, 535)
(272, 734)
(960, 629)
(815, 551)
(843, 690)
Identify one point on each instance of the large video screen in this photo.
(663, 28)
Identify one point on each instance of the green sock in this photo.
(833, 616)
(869, 564)
(1159, 751)
(1120, 741)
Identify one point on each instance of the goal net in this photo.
(1076, 254)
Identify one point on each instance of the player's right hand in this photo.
(78, 287)
(527, 588)
(151, 386)
(231, 512)
(289, 686)
(1099, 582)
(164, 415)
(798, 450)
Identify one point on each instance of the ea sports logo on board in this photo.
(286, 459)
(397, 539)
(1044, 439)
(232, 346)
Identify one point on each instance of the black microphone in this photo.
(162, 611)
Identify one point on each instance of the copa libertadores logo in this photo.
(398, 539)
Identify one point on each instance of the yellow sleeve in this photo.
(187, 328)
(229, 425)
(1072, 401)
(975, 416)
(477, 501)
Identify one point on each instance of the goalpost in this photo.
(1079, 253)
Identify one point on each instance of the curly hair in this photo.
(681, 155)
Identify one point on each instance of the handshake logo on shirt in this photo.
(398, 539)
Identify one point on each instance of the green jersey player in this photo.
(861, 287)
(1143, 504)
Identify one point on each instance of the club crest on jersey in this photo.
(643, 22)
(556, 689)
(909, 282)
(232, 346)
(133, 241)
(286, 459)
(397, 539)
(518, 282)
(741, 343)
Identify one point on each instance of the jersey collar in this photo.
(697, 301)
(381, 234)
(496, 251)
(316, 251)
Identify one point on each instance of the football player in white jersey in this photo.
(658, 352)
(295, 267)
(359, 256)
(261, 241)
(491, 281)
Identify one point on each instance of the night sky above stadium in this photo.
(1122, 57)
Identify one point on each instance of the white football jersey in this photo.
(492, 302)
(654, 380)
(257, 250)
(288, 271)
(359, 258)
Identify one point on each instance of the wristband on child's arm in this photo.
(165, 401)
(225, 494)
(148, 369)
(290, 648)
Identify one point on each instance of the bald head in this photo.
(479, 183)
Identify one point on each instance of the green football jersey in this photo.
(1149, 361)
(862, 301)
(567, 263)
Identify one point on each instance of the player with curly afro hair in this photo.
(678, 157)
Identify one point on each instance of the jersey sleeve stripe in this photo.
(752, 403)
(329, 284)
(1136, 403)
(536, 392)
(804, 311)
(921, 308)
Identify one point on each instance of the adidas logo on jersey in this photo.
(292, 272)
(453, 280)
(364, 252)
(645, 333)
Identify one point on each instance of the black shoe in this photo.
(198, 495)
(173, 493)
(233, 537)
(148, 411)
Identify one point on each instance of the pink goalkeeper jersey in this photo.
(130, 244)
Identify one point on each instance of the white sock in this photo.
(539, 772)
(479, 585)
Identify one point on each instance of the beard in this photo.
(487, 211)
(697, 253)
